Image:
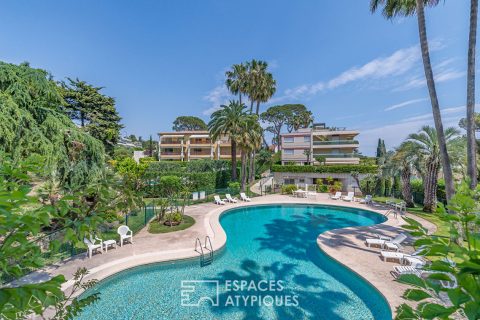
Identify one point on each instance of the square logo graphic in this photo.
(194, 293)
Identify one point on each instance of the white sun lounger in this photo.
(412, 259)
(218, 200)
(337, 196)
(389, 244)
(230, 199)
(349, 197)
(244, 197)
(367, 199)
(401, 270)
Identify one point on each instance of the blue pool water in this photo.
(273, 250)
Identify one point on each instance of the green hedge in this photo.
(344, 168)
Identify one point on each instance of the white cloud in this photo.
(442, 71)
(395, 133)
(216, 97)
(398, 63)
(404, 104)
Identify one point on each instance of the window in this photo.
(306, 139)
(289, 181)
(288, 139)
(288, 151)
(301, 180)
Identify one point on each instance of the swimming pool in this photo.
(271, 268)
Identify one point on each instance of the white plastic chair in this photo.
(218, 200)
(244, 197)
(92, 245)
(125, 234)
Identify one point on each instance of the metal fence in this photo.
(138, 219)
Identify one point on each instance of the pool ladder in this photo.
(206, 256)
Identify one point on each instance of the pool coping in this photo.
(213, 228)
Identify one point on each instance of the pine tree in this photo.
(95, 112)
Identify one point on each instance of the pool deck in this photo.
(345, 245)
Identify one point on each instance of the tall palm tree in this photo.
(236, 80)
(249, 138)
(227, 121)
(403, 159)
(260, 87)
(394, 8)
(425, 145)
(471, 139)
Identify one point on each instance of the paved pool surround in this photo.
(345, 245)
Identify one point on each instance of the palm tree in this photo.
(394, 8)
(471, 139)
(261, 85)
(249, 138)
(236, 80)
(403, 159)
(227, 121)
(425, 145)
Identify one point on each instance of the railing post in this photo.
(126, 219)
(145, 214)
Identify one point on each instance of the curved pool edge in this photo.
(211, 223)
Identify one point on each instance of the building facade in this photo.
(329, 144)
(192, 145)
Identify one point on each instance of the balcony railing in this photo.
(335, 155)
(170, 154)
(333, 142)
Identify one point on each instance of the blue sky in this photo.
(162, 59)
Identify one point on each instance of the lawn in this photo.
(443, 228)
(159, 227)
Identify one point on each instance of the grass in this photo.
(443, 228)
(159, 227)
(385, 199)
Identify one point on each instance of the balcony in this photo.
(335, 142)
(335, 155)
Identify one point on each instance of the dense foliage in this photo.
(32, 122)
(457, 263)
(344, 168)
(202, 175)
(35, 221)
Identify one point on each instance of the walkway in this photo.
(345, 245)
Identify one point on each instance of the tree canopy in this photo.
(32, 121)
(188, 123)
(95, 111)
(294, 116)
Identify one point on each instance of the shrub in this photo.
(346, 168)
(234, 187)
(336, 186)
(322, 188)
(288, 188)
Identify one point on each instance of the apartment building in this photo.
(333, 145)
(192, 145)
